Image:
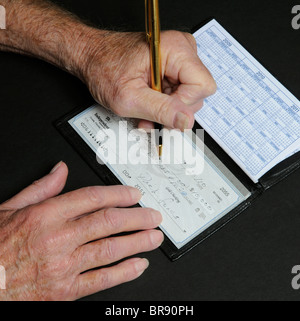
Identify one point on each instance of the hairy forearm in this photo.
(41, 29)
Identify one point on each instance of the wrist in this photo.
(82, 50)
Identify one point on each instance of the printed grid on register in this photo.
(243, 113)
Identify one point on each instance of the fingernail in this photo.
(56, 167)
(147, 130)
(135, 193)
(156, 217)
(141, 265)
(181, 121)
(156, 238)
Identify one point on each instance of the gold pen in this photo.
(153, 38)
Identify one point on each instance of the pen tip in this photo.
(160, 151)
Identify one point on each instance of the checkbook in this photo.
(246, 139)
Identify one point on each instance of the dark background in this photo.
(249, 259)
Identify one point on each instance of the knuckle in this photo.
(105, 279)
(48, 207)
(48, 243)
(34, 214)
(191, 39)
(29, 216)
(53, 268)
(174, 34)
(181, 37)
(109, 251)
(208, 84)
(211, 86)
(51, 243)
(94, 194)
(112, 219)
(45, 207)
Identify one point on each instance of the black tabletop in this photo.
(252, 257)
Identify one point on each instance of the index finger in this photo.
(90, 199)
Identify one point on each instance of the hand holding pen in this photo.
(181, 81)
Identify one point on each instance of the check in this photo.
(189, 199)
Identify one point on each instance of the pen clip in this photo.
(147, 21)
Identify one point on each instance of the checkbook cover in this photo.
(251, 124)
(108, 178)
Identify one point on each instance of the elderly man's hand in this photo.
(47, 242)
(114, 65)
(116, 69)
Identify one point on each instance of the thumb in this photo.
(40, 190)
